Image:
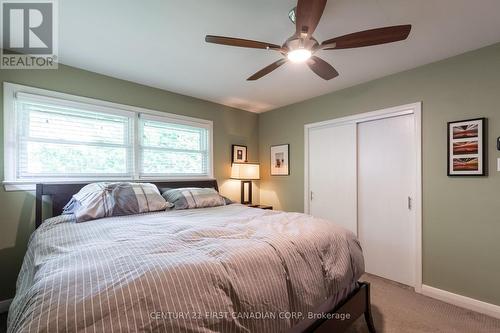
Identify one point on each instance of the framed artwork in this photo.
(467, 154)
(239, 154)
(280, 160)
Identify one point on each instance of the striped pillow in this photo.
(98, 200)
(192, 197)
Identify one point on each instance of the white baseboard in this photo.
(488, 309)
(4, 305)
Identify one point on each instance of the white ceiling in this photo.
(160, 43)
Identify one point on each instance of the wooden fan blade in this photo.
(322, 68)
(240, 42)
(267, 70)
(307, 15)
(369, 37)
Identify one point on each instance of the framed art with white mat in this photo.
(280, 160)
(239, 154)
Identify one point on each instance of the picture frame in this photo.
(280, 160)
(239, 154)
(467, 148)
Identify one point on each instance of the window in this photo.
(55, 142)
(53, 137)
(172, 149)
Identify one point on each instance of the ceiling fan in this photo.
(302, 46)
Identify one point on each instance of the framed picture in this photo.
(280, 160)
(239, 154)
(467, 154)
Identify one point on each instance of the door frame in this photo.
(416, 110)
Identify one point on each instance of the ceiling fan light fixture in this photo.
(299, 55)
(301, 46)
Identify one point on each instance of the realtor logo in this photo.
(29, 34)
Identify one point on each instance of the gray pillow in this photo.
(194, 197)
(98, 200)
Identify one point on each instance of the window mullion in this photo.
(173, 150)
(136, 143)
(73, 143)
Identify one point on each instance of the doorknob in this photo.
(409, 203)
(312, 195)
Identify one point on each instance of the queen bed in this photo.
(222, 269)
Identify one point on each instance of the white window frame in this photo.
(138, 161)
(11, 90)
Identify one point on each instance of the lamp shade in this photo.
(245, 171)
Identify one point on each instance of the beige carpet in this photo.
(398, 309)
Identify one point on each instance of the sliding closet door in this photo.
(386, 189)
(332, 174)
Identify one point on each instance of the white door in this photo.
(332, 174)
(386, 189)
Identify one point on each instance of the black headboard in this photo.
(61, 193)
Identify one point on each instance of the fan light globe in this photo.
(299, 55)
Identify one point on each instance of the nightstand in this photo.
(260, 206)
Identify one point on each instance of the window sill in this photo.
(17, 186)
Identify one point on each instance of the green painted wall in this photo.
(231, 126)
(461, 216)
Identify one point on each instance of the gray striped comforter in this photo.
(222, 269)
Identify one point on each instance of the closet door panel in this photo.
(386, 188)
(332, 174)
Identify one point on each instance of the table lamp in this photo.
(246, 172)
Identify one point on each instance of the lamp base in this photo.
(246, 198)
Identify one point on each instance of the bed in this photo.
(222, 269)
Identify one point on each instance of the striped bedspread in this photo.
(222, 269)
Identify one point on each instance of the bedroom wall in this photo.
(231, 126)
(461, 220)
